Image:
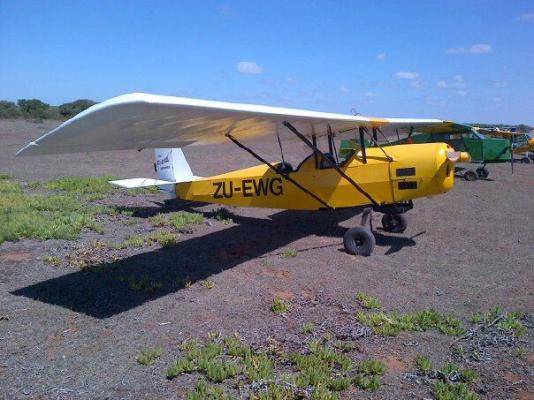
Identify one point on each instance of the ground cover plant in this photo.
(508, 321)
(391, 324)
(367, 301)
(280, 306)
(451, 382)
(148, 356)
(180, 220)
(318, 371)
(61, 214)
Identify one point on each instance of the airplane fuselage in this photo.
(416, 171)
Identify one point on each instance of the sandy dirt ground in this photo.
(69, 334)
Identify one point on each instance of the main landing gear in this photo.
(361, 241)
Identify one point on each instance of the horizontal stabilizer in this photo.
(139, 183)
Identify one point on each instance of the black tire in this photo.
(395, 223)
(482, 172)
(531, 156)
(470, 175)
(360, 241)
(525, 160)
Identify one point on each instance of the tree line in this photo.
(35, 109)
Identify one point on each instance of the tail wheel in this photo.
(525, 160)
(482, 172)
(470, 175)
(359, 240)
(395, 223)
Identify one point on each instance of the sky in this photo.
(467, 61)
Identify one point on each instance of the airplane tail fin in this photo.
(171, 167)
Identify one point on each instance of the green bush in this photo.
(8, 109)
(69, 110)
(35, 109)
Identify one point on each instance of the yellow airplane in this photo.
(522, 143)
(380, 179)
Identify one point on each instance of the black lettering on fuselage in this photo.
(278, 189)
(261, 187)
(246, 187)
(230, 192)
(218, 186)
(249, 188)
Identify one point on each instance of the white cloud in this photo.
(459, 81)
(497, 99)
(370, 94)
(407, 75)
(381, 56)
(249, 67)
(528, 17)
(441, 84)
(461, 93)
(480, 48)
(343, 89)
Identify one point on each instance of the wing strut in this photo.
(336, 167)
(278, 171)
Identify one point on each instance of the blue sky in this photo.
(462, 60)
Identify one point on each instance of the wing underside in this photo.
(139, 121)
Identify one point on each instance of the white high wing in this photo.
(139, 121)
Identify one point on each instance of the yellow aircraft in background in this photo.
(522, 143)
(381, 179)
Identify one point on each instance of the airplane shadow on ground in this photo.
(104, 290)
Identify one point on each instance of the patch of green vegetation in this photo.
(165, 239)
(92, 188)
(205, 391)
(521, 352)
(369, 383)
(207, 284)
(5, 176)
(466, 375)
(368, 301)
(143, 283)
(345, 347)
(258, 367)
(368, 375)
(275, 392)
(371, 367)
(224, 216)
(148, 356)
(508, 321)
(33, 184)
(280, 306)
(423, 364)
(308, 327)
(179, 220)
(320, 369)
(43, 217)
(52, 260)
(393, 323)
(236, 348)
(450, 391)
(289, 253)
(323, 368)
(218, 370)
(180, 366)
